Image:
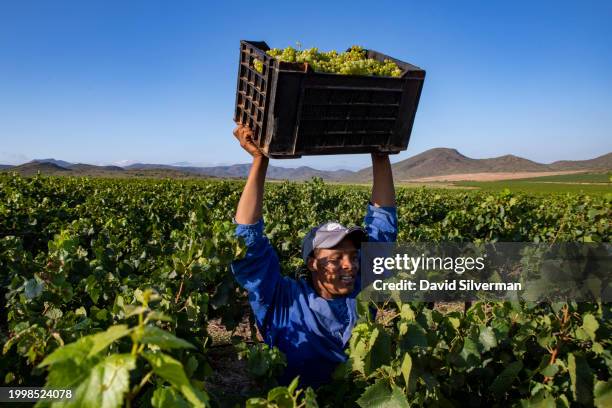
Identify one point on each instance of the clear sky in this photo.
(154, 81)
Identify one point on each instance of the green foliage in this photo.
(76, 254)
(102, 375)
(286, 397)
(598, 177)
(381, 395)
(264, 363)
(539, 186)
(493, 354)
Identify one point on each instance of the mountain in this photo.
(306, 173)
(278, 173)
(89, 170)
(601, 162)
(444, 161)
(90, 167)
(510, 163)
(242, 170)
(438, 161)
(33, 167)
(60, 163)
(434, 162)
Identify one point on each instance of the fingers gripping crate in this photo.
(294, 111)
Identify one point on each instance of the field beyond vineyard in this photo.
(108, 287)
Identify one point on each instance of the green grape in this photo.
(351, 62)
(258, 65)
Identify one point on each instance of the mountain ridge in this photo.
(433, 162)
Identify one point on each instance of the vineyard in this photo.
(110, 287)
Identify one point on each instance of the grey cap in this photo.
(328, 235)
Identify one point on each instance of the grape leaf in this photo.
(504, 380)
(102, 340)
(172, 371)
(105, 385)
(310, 399)
(590, 325)
(550, 370)
(406, 368)
(163, 339)
(603, 394)
(582, 379)
(86, 346)
(380, 395)
(168, 397)
(77, 351)
(280, 396)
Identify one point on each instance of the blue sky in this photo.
(154, 81)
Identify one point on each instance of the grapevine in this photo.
(101, 274)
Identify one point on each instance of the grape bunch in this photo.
(351, 62)
(258, 65)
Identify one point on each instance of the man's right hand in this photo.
(245, 136)
(251, 201)
(383, 190)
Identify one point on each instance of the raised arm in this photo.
(258, 271)
(251, 200)
(381, 217)
(383, 191)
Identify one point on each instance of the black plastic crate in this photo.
(294, 111)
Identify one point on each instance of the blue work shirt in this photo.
(312, 331)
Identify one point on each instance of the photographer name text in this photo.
(453, 285)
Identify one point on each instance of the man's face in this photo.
(334, 270)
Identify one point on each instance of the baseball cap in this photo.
(328, 235)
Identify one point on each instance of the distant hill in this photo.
(445, 161)
(242, 170)
(90, 167)
(442, 161)
(510, 163)
(31, 168)
(60, 163)
(279, 173)
(602, 162)
(306, 173)
(90, 170)
(431, 163)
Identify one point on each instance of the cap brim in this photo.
(358, 235)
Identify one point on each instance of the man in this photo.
(310, 320)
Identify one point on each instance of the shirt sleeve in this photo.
(259, 270)
(381, 223)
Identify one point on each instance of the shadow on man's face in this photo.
(334, 270)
